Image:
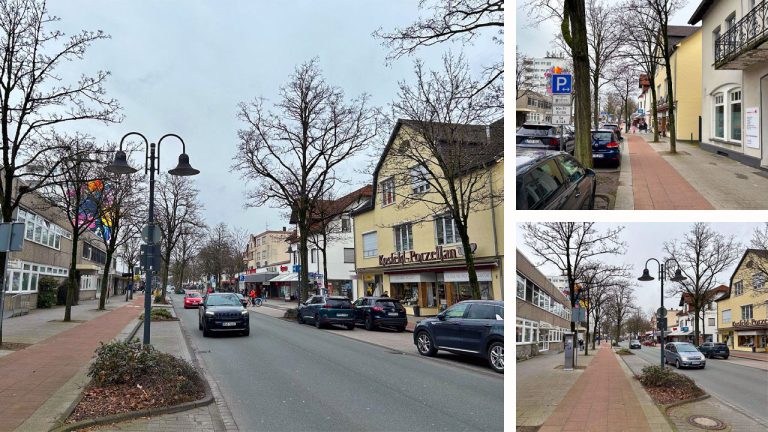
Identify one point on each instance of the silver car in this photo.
(683, 354)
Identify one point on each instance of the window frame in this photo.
(370, 253)
(387, 187)
(751, 312)
(440, 223)
(403, 232)
(731, 103)
(419, 183)
(715, 105)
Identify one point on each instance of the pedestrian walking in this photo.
(252, 295)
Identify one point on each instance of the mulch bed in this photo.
(123, 398)
(668, 395)
(13, 346)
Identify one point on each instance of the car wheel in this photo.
(725, 358)
(247, 332)
(424, 344)
(206, 332)
(350, 326)
(677, 364)
(496, 357)
(299, 318)
(317, 322)
(399, 329)
(369, 324)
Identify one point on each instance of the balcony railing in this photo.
(747, 34)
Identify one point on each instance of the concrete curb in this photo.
(669, 406)
(149, 412)
(625, 199)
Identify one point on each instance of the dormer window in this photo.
(387, 191)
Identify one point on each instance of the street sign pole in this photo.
(11, 239)
(561, 91)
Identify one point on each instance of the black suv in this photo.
(473, 327)
(545, 137)
(553, 181)
(380, 311)
(715, 349)
(223, 312)
(323, 310)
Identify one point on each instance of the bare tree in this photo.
(446, 155)
(604, 38)
(187, 248)
(178, 207)
(35, 100)
(291, 155)
(238, 243)
(326, 227)
(637, 324)
(621, 305)
(523, 84)
(129, 253)
(216, 252)
(569, 246)
(597, 278)
(453, 20)
(575, 35)
(760, 242)
(703, 255)
(623, 76)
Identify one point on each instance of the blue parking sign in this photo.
(561, 83)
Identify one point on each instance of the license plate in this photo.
(341, 315)
(596, 156)
(532, 141)
(393, 314)
(695, 362)
(228, 324)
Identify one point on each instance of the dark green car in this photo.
(326, 310)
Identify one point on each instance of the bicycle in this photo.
(257, 301)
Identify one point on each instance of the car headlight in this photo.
(209, 313)
(244, 312)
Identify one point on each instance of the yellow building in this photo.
(413, 252)
(685, 64)
(742, 314)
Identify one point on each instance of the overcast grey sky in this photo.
(182, 66)
(537, 40)
(644, 241)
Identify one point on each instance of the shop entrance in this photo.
(543, 340)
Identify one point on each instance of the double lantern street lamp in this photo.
(152, 165)
(661, 313)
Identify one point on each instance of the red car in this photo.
(192, 300)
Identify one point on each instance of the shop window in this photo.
(403, 237)
(349, 255)
(746, 312)
(387, 192)
(738, 288)
(370, 245)
(711, 322)
(419, 182)
(719, 122)
(735, 111)
(445, 230)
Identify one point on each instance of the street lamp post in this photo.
(678, 277)
(120, 166)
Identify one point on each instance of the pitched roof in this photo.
(677, 34)
(329, 209)
(760, 253)
(700, 11)
(687, 298)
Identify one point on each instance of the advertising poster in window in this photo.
(753, 128)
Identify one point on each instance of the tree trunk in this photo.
(654, 107)
(574, 30)
(167, 260)
(595, 101)
(469, 259)
(105, 281)
(304, 270)
(72, 277)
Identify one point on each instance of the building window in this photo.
(346, 224)
(738, 288)
(730, 22)
(25, 279)
(419, 183)
(527, 331)
(726, 316)
(758, 281)
(719, 116)
(40, 230)
(370, 245)
(403, 237)
(445, 230)
(313, 255)
(711, 322)
(387, 192)
(735, 110)
(520, 286)
(349, 255)
(746, 312)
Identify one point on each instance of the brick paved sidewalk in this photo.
(750, 355)
(656, 185)
(32, 375)
(602, 399)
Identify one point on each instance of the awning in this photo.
(258, 277)
(285, 277)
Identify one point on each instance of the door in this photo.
(447, 331)
(476, 326)
(579, 188)
(359, 309)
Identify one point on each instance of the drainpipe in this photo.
(495, 236)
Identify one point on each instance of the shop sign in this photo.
(283, 269)
(439, 254)
(462, 276)
(751, 323)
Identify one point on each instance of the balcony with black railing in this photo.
(746, 43)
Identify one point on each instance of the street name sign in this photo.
(561, 119)
(561, 100)
(561, 83)
(561, 110)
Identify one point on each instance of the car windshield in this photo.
(635, 341)
(601, 137)
(536, 130)
(223, 300)
(338, 303)
(686, 348)
(193, 295)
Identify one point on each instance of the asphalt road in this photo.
(291, 377)
(743, 388)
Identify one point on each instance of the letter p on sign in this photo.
(561, 84)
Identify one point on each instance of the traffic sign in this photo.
(155, 235)
(561, 83)
(661, 312)
(561, 119)
(561, 100)
(561, 110)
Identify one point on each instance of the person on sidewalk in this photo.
(252, 295)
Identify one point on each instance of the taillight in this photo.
(326, 306)
(377, 309)
(612, 144)
(554, 142)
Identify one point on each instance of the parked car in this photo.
(470, 327)
(683, 354)
(648, 343)
(606, 147)
(323, 310)
(192, 300)
(715, 349)
(223, 312)
(545, 137)
(374, 312)
(613, 127)
(635, 344)
(553, 181)
(243, 300)
(178, 291)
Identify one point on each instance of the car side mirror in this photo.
(441, 316)
(590, 173)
